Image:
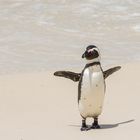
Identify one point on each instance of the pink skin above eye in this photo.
(90, 51)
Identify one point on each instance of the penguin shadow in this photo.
(108, 126)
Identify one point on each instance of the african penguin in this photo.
(91, 87)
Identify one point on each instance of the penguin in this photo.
(91, 87)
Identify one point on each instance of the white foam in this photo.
(39, 34)
(137, 28)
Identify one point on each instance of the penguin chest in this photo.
(92, 93)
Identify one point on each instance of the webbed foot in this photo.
(85, 128)
(95, 126)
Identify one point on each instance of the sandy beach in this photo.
(39, 37)
(40, 106)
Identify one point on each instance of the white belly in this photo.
(92, 93)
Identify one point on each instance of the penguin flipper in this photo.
(110, 71)
(68, 74)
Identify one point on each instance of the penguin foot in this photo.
(95, 126)
(85, 128)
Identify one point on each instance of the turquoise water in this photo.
(43, 35)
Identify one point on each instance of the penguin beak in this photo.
(83, 56)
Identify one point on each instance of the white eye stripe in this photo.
(96, 49)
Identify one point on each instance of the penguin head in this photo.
(92, 53)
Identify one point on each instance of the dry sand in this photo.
(39, 106)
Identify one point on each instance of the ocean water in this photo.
(42, 35)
